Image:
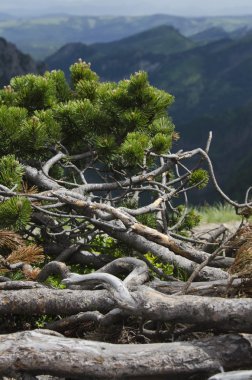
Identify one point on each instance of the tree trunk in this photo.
(205, 312)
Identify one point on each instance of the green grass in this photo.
(219, 213)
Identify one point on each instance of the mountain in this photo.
(210, 35)
(208, 79)
(115, 60)
(42, 36)
(153, 41)
(211, 84)
(13, 62)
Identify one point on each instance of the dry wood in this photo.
(165, 255)
(206, 288)
(207, 312)
(41, 352)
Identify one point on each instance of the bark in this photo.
(41, 352)
(176, 246)
(216, 313)
(42, 301)
(205, 313)
(40, 179)
(220, 288)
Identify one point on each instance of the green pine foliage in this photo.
(7, 96)
(82, 71)
(199, 178)
(134, 146)
(162, 125)
(11, 120)
(15, 213)
(187, 220)
(11, 172)
(120, 121)
(61, 88)
(34, 92)
(87, 90)
(38, 133)
(161, 143)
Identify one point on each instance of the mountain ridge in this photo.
(34, 35)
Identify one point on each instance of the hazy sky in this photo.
(128, 7)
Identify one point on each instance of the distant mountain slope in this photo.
(210, 35)
(154, 41)
(115, 60)
(13, 62)
(231, 149)
(42, 36)
(208, 79)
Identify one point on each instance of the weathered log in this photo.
(214, 234)
(206, 312)
(41, 352)
(29, 302)
(204, 288)
(179, 247)
(16, 285)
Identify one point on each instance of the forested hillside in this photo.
(113, 60)
(13, 62)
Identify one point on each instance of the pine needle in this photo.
(10, 240)
(29, 190)
(242, 265)
(32, 254)
(31, 273)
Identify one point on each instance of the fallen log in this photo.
(48, 301)
(205, 312)
(42, 352)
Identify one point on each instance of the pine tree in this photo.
(120, 130)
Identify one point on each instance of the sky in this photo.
(127, 7)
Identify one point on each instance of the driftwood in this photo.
(207, 312)
(41, 352)
(205, 288)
